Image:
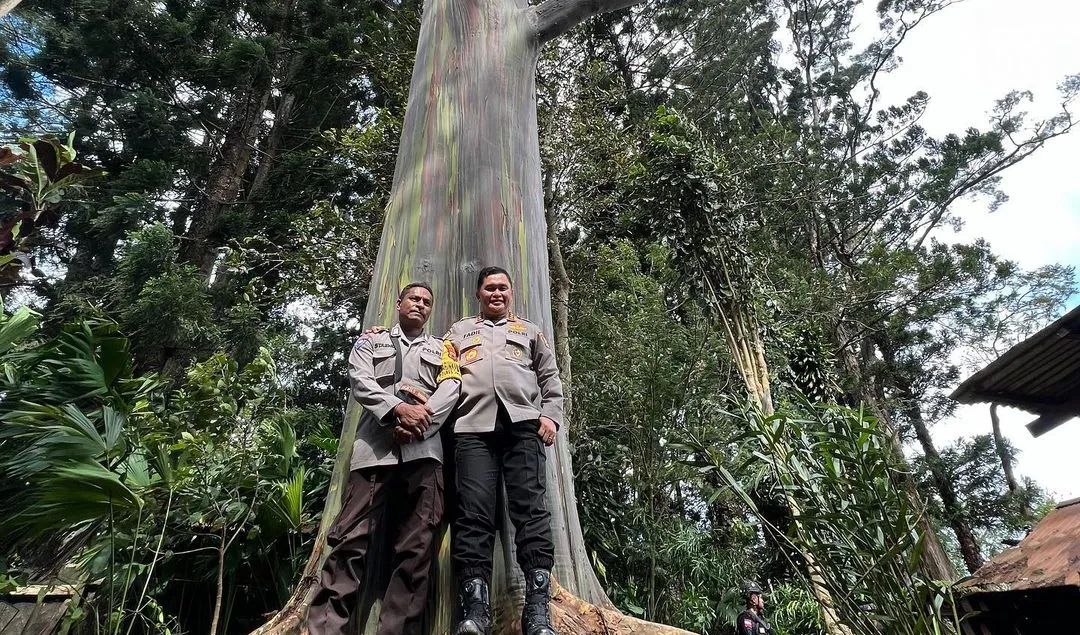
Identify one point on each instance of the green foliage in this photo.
(669, 544)
(164, 420)
(837, 468)
(120, 474)
(995, 513)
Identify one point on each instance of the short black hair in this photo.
(486, 272)
(413, 285)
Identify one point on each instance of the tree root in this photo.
(574, 616)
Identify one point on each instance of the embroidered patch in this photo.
(475, 333)
(518, 328)
(748, 623)
(516, 353)
(471, 355)
(450, 370)
(419, 395)
(379, 345)
(474, 340)
(360, 343)
(449, 351)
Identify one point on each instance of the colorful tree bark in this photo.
(467, 194)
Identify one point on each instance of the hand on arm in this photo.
(413, 418)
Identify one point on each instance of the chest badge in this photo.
(470, 356)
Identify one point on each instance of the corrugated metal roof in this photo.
(1040, 375)
(1048, 557)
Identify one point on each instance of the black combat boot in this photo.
(534, 616)
(475, 608)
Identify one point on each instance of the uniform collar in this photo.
(510, 317)
(398, 333)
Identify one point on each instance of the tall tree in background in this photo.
(467, 193)
(209, 234)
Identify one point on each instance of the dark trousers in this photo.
(405, 500)
(515, 451)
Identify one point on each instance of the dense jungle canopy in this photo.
(759, 299)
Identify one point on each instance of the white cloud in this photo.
(966, 58)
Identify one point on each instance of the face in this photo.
(495, 295)
(414, 308)
(757, 601)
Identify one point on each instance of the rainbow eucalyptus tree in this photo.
(467, 193)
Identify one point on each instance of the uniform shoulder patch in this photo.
(449, 350)
(450, 368)
(747, 623)
(362, 341)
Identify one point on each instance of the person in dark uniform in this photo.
(752, 620)
(407, 383)
(510, 408)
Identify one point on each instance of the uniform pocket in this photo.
(518, 348)
(471, 354)
(430, 365)
(385, 366)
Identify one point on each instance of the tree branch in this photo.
(552, 18)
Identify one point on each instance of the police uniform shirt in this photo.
(425, 373)
(750, 623)
(507, 361)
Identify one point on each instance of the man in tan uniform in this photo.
(510, 408)
(407, 383)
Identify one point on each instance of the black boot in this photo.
(534, 616)
(475, 608)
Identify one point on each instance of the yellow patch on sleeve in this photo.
(450, 367)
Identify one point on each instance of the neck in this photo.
(411, 332)
(495, 318)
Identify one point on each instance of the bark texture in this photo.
(910, 408)
(466, 194)
(226, 177)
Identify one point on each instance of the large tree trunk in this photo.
(466, 194)
(200, 245)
